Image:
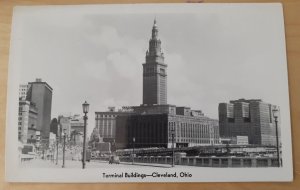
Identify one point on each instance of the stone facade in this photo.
(27, 121)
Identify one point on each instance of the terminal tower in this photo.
(154, 72)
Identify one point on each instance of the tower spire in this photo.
(154, 30)
(154, 43)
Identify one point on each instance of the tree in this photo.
(54, 126)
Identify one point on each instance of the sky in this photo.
(214, 54)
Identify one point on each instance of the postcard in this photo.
(148, 93)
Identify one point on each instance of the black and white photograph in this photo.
(148, 93)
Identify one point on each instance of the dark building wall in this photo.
(54, 126)
(122, 131)
(148, 131)
(224, 120)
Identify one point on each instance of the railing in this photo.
(219, 162)
(26, 157)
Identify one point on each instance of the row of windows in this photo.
(100, 123)
(105, 116)
(192, 130)
(200, 141)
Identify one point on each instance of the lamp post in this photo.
(173, 155)
(85, 108)
(52, 153)
(275, 115)
(56, 151)
(64, 147)
(133, 140)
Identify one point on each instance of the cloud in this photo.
(96, 70)
(125, 65)
(108, 38)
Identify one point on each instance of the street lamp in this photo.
(133, 140)
(56, 149)
(173, 158)
(85, 108)
(64, 147)
(275, 115)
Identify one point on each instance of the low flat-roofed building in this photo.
(152, 129)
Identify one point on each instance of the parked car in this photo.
(87, 155)
(114, 159)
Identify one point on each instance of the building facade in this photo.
(73, 126)
(150, 129)
(23, 89)
(27, 122)
(77, 129)
(40, 93)
(64, 124)
(106, 123)
(252, 118)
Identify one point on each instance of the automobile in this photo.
(114, 159)
(87, 156)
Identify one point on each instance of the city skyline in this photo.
(105, 56)
(204, 90)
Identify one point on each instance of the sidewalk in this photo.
(39, 163)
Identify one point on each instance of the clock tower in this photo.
(154, 72)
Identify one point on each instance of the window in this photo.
(230, 120)
(246, 119)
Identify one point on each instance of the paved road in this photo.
(39, 163)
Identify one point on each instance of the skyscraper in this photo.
(154, 72)
(40, 93)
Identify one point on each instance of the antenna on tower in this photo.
(154, 21)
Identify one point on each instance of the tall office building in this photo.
(154, 72)
(40, 93)
(251, 118)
